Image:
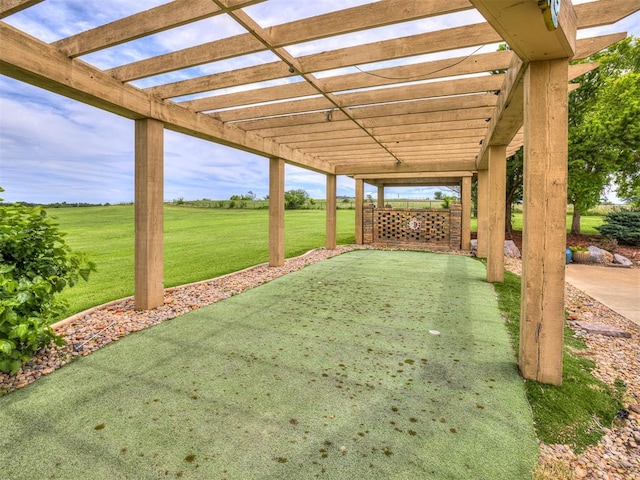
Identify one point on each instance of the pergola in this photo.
(411, 121)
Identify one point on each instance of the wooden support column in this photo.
(331, 212)
(380, 196)
(483, 213)
(465, 197)
(497, 161)
(276, 212)
(544, 230)
(149, 203)
(359, 205)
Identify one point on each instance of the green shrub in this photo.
(446, 201)
(295, 199)
(622, 226)
(35, 264)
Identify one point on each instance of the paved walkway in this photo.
(617, 288)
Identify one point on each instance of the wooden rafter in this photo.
(311, 119)
(368, 98)
(246, 43)
(35, 62)
(154, 20)
(9, 7)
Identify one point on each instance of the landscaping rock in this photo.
(510, 249)
(598, 255)
(602, 329)
(474, 245)
(620, 260)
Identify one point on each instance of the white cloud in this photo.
(56, 149)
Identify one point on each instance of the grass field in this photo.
(198, 244)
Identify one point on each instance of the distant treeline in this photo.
(64, 204)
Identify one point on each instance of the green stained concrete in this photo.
(329, 372)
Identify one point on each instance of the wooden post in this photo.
(497, 191)
(465, 197)
(380, 196)
(544, 227)
(483, 213)
(149, 203)
(331, 212)
(276, 212)
(359, 205)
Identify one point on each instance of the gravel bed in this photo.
(615, 457)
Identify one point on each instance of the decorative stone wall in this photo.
(433, 228)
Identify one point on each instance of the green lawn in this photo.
(199, 244)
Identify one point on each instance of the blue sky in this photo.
(54, 149)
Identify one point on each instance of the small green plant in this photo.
(35, 265)
(579, 248)
(446, 201)
(624, 226)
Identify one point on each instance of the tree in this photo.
(515, 177)
(35, 265)
(603, 128)
(622, 126)
(295, 199)
(604, 134)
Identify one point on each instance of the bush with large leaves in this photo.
(35, 264)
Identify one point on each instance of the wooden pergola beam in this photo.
(346, 160)
(369, 116)
(246, 43)
(9, 7)
(413, 175)
(372, 147)
(331, 212)
(370, 97)
(149, 204)
(597, 14)
(387, 134)
(379, 14)
(404, 167)
(425, 179)
(449, 39)
(375, 78)
(274, 70)
(276, 212)
(27, 59)
(461, 37)
(417, 182)
(148, 22)
(522, 25)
